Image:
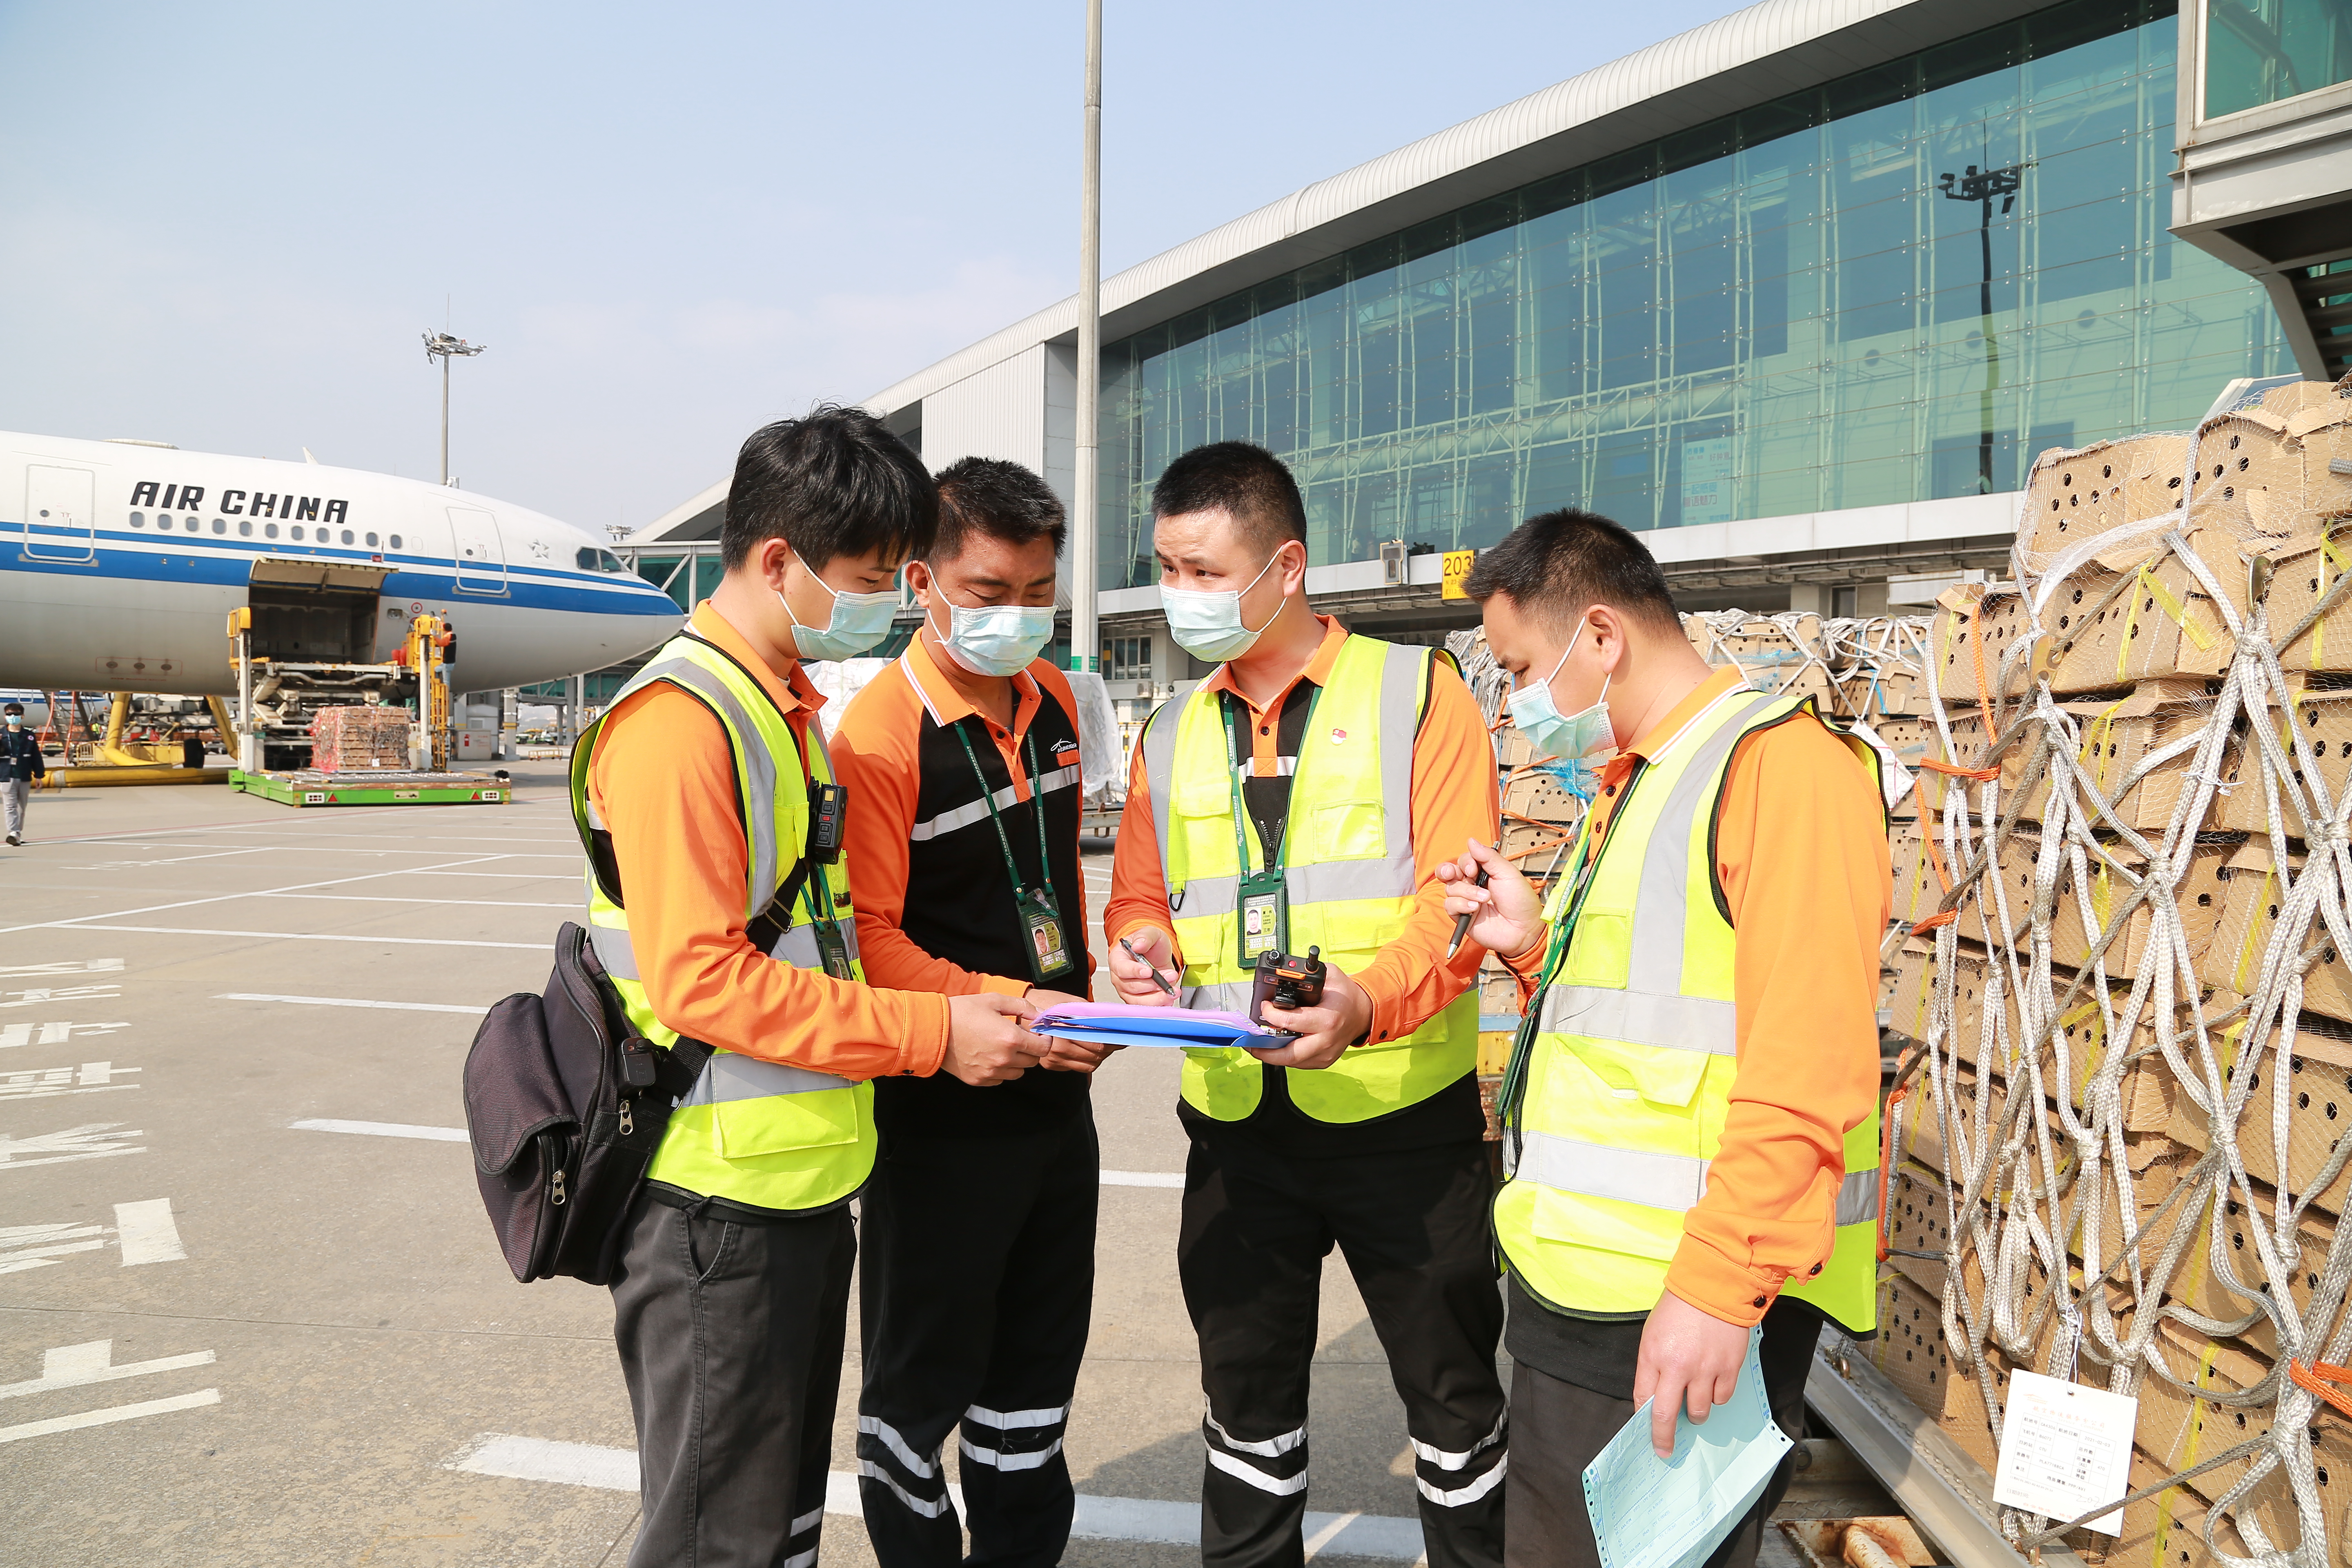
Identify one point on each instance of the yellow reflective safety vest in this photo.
(1621, 1079)
(1348, 867)
(751, 1131)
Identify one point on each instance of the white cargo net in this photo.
(2185, 532)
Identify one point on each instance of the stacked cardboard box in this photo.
(2126, 971)
(345, 739)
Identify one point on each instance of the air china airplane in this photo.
(119, 572)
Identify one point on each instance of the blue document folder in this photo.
(1116, 1023)
(1649, 1512)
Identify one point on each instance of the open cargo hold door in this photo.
(315, 612)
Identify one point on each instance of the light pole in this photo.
(1981, 186)
(443, 347)
(1085, 640)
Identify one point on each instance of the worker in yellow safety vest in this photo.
(718, 902)
(1690, 1113)
(1298, 803)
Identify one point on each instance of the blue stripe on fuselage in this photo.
(413, 576)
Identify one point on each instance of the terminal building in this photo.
(1799, 293)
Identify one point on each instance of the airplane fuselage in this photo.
(119, 563)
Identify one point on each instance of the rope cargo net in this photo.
(2116, 1152)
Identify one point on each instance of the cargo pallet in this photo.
(307, 787)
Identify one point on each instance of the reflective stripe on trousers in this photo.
(1000, 1428)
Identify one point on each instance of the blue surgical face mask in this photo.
(1582, 736)
(994, 639)
(1208, 624)
(858, 621)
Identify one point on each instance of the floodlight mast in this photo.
(1981, 185)
(1085, 641)
(443, 347)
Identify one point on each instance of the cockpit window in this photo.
(599, 561)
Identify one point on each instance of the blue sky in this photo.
(228, 224)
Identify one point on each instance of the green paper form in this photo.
(1649, 1512)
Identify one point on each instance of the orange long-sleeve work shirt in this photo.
(663, 778)
(1800, 851)
(1454, 801)
(879, 751)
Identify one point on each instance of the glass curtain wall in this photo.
(2260, 51)
(1895, 287)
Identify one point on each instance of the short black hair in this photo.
(1555, 565)
(1000, 499)
(1240, 477)
(834, 483)
(15, 708)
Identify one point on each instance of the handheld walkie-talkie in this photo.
(1286, 981)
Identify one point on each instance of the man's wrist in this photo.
(1528, 959)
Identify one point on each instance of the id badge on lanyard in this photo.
(1045, 943)
(1262, 904)
(832, 949)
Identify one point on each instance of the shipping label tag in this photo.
(2064, 1449)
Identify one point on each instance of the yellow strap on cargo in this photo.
(2173, 607)
(2097, 735)
(2247, 947)
(2319, 629)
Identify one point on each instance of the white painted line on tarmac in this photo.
(314, 936)
(78, 1366)
(53, 1032)
(66, 966)
(1143, 1178)
(150, 1234)
(91, 1140)
(107, 1417)
(540, 1460)
(76, 924)
(1151, 1519)
(444, 903)
(350, 1002)
(384, 1130)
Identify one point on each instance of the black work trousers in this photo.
(1561, 1427)
(1412, 1227)
(973, 1304)
(730, 1337)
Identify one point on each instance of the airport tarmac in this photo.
(250, 1309)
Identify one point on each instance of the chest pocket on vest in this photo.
(1351, 830)
(1663, 1077)
(784, 1124)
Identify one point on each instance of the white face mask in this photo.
(1208, 624)
(1585, 737)
(994, 639)
(859, 620)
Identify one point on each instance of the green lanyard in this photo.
(1262, 899)
(1274, 854)
(1048, 953)
(1580, 876)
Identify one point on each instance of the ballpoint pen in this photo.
(1158, 979)
(1462, 921)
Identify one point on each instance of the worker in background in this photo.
(20, 764)
(1691, 1120)
(979, 1225)
(719, 903)
(1303, 796)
